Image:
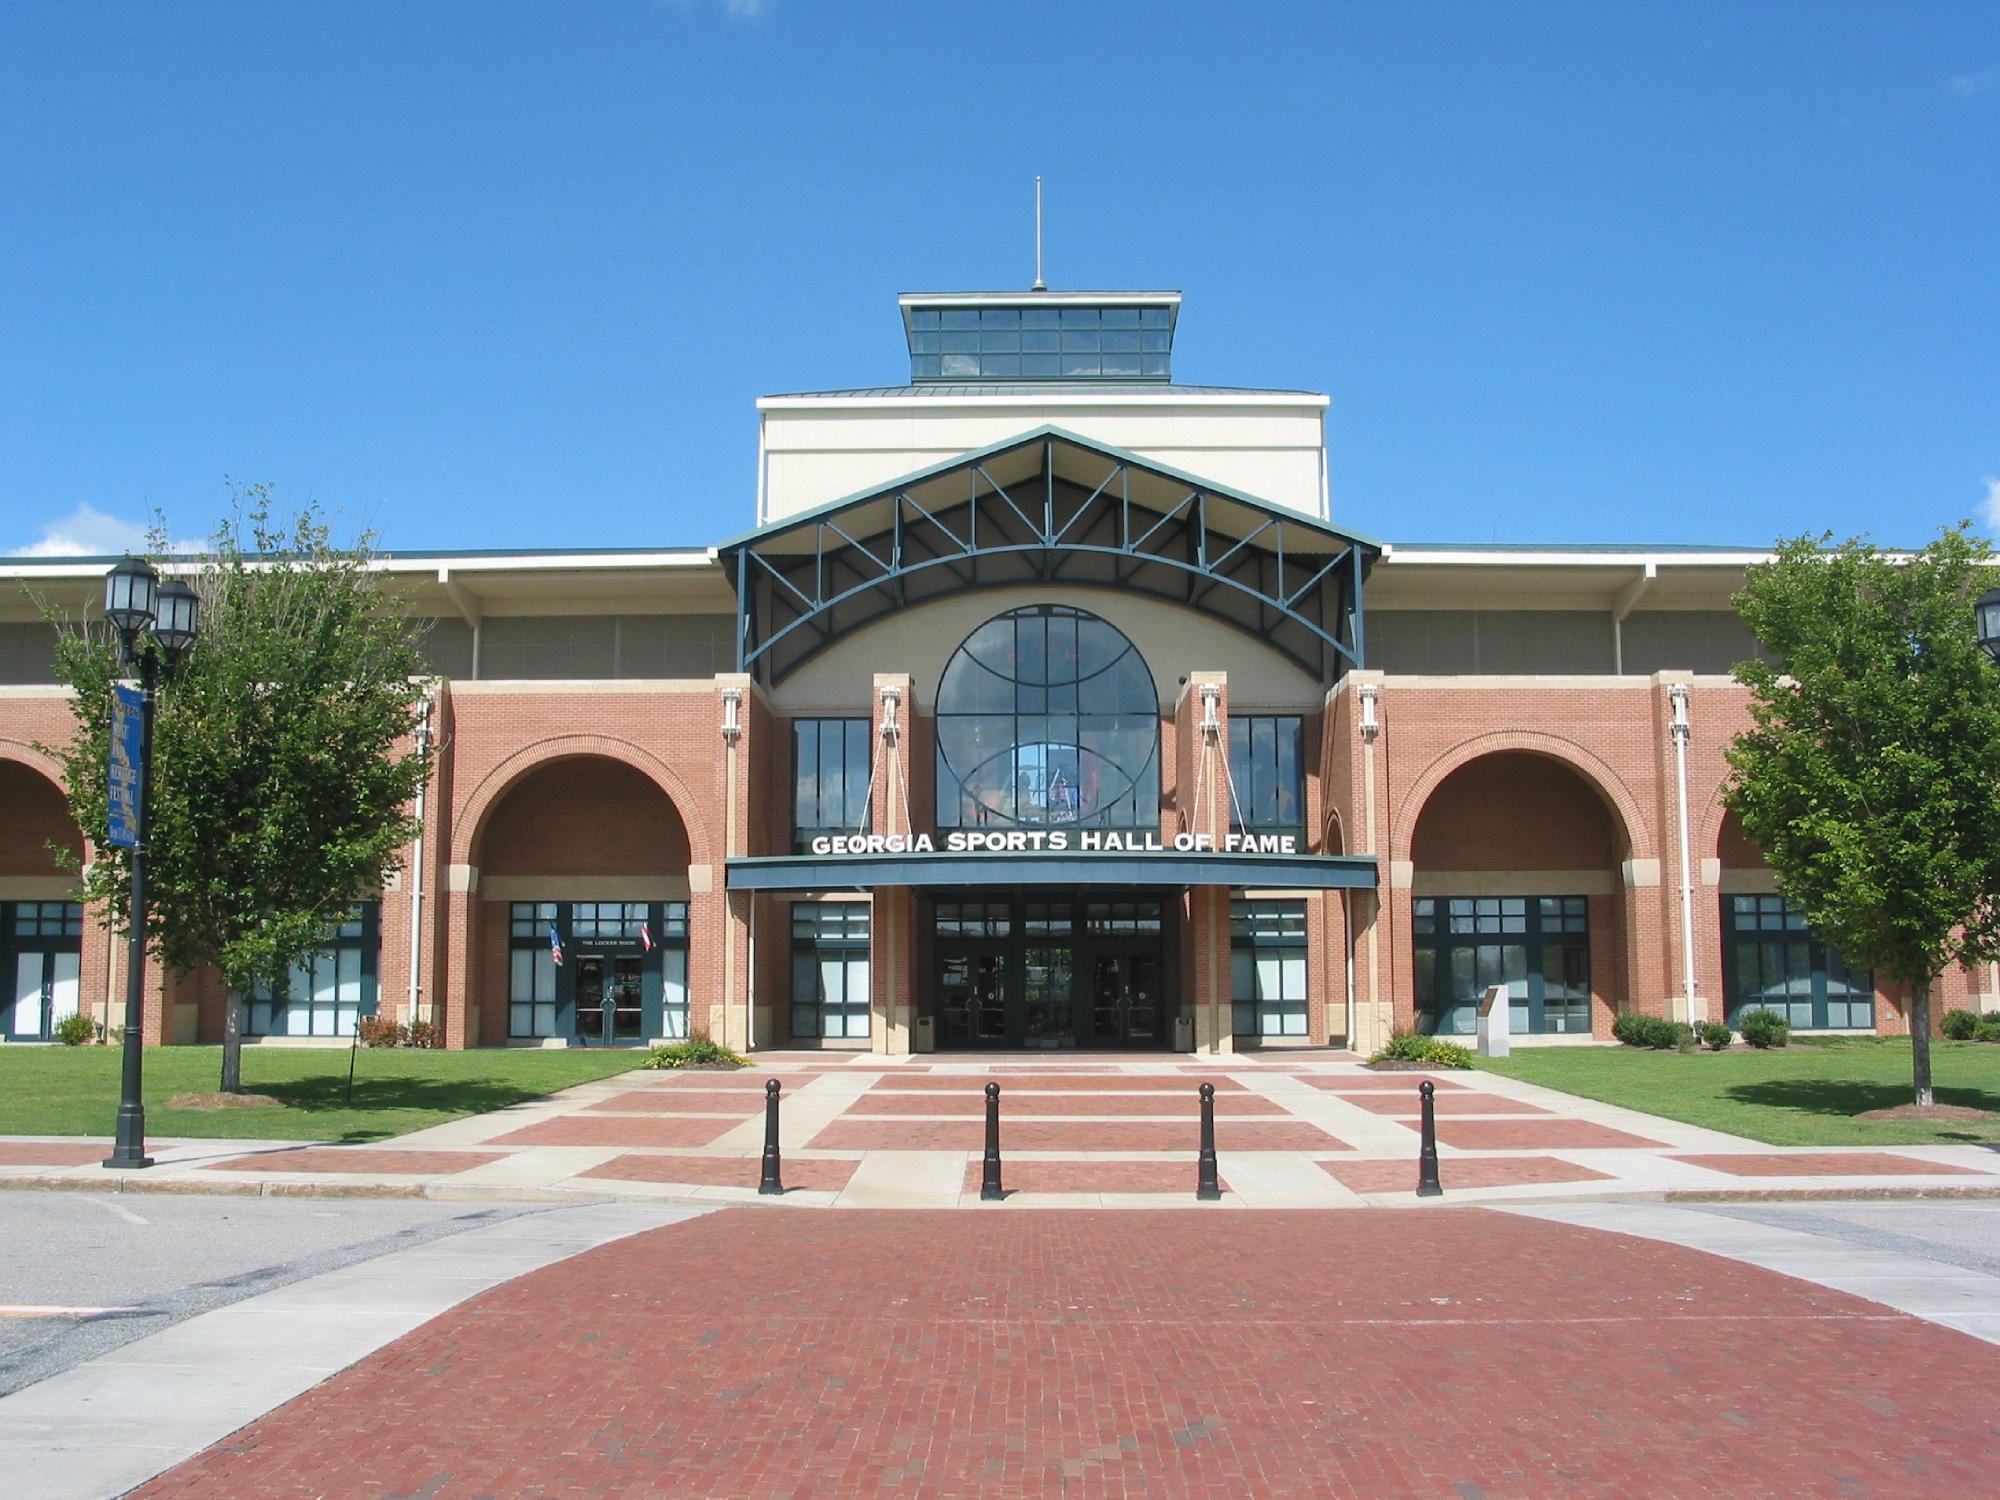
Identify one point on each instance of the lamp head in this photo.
(131, 593)
(179, 617)
(1986, 618)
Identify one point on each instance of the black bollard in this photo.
(989, 1176)
(771, 1183)
(1428, 1185)
(1207, 1187)
(610, 1013)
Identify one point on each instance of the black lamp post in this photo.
(153, 619)
(1986, 620)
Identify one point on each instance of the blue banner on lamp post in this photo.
(127, 731)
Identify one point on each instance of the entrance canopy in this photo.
(1049, 507)
(849, 872)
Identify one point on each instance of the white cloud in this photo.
(1965, 85)
(87, 532)
(1992, 503)
(90, 532)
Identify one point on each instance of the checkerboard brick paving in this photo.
(762, 1354)
(620, 1130)
(345, 1159)
(1377, 1083)
(678, 1102)
(1182, 1104)
(1019, 1176)
(1070, 1135)
(815, 1172)
(1458, 1172)
(1822, 1164)
(1068, 1081)
(1533, 1135)
(54, 1153)
(1464, 1103)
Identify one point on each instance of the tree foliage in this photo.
(1871, 777)
(283, 774)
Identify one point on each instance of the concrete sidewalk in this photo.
(1298, 1131)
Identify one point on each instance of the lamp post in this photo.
(153, 619)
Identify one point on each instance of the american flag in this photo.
(555, 946)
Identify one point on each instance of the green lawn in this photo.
(74, 1090)
(1802, 1095)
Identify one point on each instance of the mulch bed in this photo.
(1957, 1114)
(223, 1101)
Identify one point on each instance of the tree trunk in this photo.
(1920, 1041)
(232, 1043)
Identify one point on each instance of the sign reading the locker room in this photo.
(1055, 841)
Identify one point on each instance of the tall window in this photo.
(326, 992)
(531, 969)
(1047, 716)
(1267, 770)
(41, 947)
(1267, 967)
(830, 778)
(830, 969)
(1771, 960)
(1537, 946)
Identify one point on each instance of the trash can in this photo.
(926, 1034)
(1183, 1033)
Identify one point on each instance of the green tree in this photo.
(283, 772)
(1871, 779)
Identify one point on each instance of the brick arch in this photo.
(1617, 797)
(40, 763)
(495, 785)
(1714, 818)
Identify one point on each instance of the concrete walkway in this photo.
(106, 1426)
(1292, 1131)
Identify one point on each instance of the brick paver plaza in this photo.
(1462, 1353)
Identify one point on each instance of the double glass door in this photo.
(43, 992)
(618, 978)
(1047, 973)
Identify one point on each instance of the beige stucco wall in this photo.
(920, 640)
(820, 449)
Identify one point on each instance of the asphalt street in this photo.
(126, 1266)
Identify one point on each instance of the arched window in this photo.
(1047, 716)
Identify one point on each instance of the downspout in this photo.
(417, 861)
(732, 733)
(1677, 697)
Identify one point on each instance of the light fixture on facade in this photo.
(732, 714)
(1370, 725)
(891, 696)
(1211, 698)
(1677, 699)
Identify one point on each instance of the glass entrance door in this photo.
(597, 976)
(44, 992)
(1124, 999)
(972, 998)
(1050, 1009)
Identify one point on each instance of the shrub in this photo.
(379, 1031)
(698, 1051)
(74, 1030)
(1415, 1048)
(1715, 1036)
(1653, 1031)
(1764, 1028)
(422, 1034)
(1988, 1029)
(1959, 1025)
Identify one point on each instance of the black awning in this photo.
(848, 872)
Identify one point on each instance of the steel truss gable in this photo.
(1294, 583)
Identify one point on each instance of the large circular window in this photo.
(1047, 716)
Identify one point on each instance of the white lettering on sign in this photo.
(1055, 841)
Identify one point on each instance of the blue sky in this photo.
(512, 275)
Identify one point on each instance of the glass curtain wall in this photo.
(1537, 946)
(1267, 965)
(830, 779)
(1047, 717)
(830, 989)
(1267, 770)
(329, 990)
